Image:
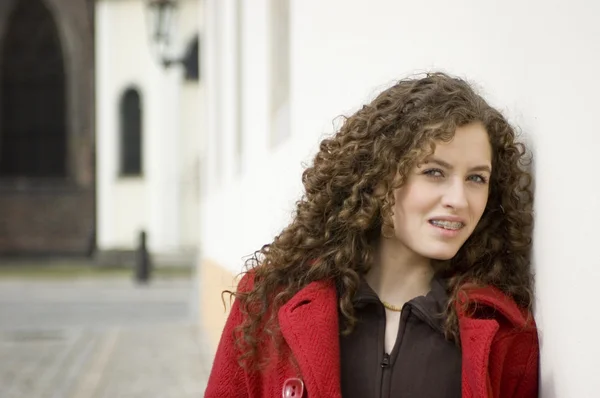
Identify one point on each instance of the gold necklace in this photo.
(391, 307)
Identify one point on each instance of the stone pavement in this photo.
(100, 338)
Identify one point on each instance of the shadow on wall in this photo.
(547, 388)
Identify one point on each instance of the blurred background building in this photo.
(149, 110)
(47, 135)
(101, 112)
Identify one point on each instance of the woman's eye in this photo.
(479, 179)
(436, 173)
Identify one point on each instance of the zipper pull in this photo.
(386, 360)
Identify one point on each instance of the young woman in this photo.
(405, 271)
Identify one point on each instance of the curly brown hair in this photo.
(341, 215)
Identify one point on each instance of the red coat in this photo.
(500, 354)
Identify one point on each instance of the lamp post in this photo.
(160, 21)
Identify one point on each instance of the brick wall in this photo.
(38, 221)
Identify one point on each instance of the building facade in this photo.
(149, 135)
(46, 127)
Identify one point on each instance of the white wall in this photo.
(536, 60)
(192, 135)
(158, 200)
(233, 199)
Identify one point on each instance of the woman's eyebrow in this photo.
(448, 166)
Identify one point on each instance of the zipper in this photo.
(385, 364)
(385, 369)
(386, 360)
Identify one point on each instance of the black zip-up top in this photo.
(422, 364)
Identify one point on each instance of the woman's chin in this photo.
(442, 255)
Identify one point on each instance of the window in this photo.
(191, 60)
(131, 133)
(33, 128)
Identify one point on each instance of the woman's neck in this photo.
(399, 274)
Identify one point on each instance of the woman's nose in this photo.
(455, 196)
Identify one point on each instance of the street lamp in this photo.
(160, 21)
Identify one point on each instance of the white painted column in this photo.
(105, 127)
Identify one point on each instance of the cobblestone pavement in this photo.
(100, 339)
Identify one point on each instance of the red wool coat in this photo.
(500, 352)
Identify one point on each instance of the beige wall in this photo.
(213, 280)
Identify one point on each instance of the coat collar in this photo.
(309, 325)
(477, 334)
(431, 305)
(493, 298)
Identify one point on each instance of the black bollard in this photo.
(142, 262)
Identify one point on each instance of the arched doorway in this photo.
(33, 128)
(46, 127)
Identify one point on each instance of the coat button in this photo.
(293, 388)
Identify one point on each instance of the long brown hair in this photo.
(341, 215)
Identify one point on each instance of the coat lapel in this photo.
(309, 325)
(477, 335)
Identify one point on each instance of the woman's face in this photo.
(444, 197)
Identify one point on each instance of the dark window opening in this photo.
(191, 61)
(33, 129)
(131, 133)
